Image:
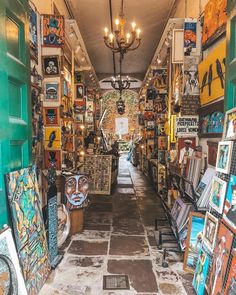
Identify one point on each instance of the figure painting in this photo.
(53, 30)
(230, 125)
(230, 203)
(224, 154)
(217, 195)
(194, 241)
(23, 196)
(210, 231)
(220, 260)
(51, 91)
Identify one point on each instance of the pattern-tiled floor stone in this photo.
(118, 238)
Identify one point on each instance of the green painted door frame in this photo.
(230, 91)
(15, 103)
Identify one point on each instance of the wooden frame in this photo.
(177, 46)
(218, 193)
(230, 135)
(211, 224)
(187, 250)
(223, 160)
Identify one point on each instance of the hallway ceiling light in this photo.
(119, 41)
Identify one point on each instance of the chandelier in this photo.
(119, 83)
(119, 41)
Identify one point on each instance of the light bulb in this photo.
(106, 32)
(117, 22)
(111, 37)
(133, 25)
(127, 37)
(138, 33)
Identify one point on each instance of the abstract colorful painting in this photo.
(214, 25)
(11, 279)
(210, 231)
(230, 288)
(217, 195)
(27, 220)
(230, 203)
(53, 30)
(224, 153)
(194, 241)
(200, 274)
(220, 260)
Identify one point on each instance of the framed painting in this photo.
(210, 231)
(194, 241)
(51, 66)
(51, 91)
(230, 288)
(79, 118)
(230, 203)
(79, 91)
(183, 235)
(28, 225)
(217, 195)
(230, 125)
(52, 156)
(51, 116)
(11, 278)
(53, 30)
(176, 209)
(212, 152)
(214, 24)
(200, 274)
(160, 80)
(224, 154)
(80, 106)
(220, 260)
(33, 29)
(52, 138)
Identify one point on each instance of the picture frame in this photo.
(51, 91)
(79, 91)
(231, 280)
(210, 231)
(230, 202)
(52, 155)
(212, 152)
(52, 138)
(175, 211)
(51, 116)
(51, 66)
(220, 259)
(33, 34)
(224, 154)
(53, 30)
(230, 125)
(193, 242)
(217, 194)
(79, 118)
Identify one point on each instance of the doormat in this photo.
(116, 282)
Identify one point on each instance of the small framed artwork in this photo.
(230, 125)
(231, 281)
(201, 271)
(79, 118)
(51, 66)
(220, 260)
(89, 106)
(52, 156)
(79, 91)
(194, 241)
(224, 154)
(51, 91)
(230, 203)
(210, 231)
(51, 116)
(217, 195)
(176, 209)
(52, 138)
(53, 30)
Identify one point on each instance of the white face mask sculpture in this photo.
(76, 191)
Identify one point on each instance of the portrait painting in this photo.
(230, 125)
(220, 260)
(230, 203)
(51, 91)
(52, 156)
(194, 241)
(28, 225)
(214, 23)
(210, 231)
(200, 274)
(79, 91)
(217, 195)
(33, 29)
(53, 29)
(51, 116)
(230, 288)
(11, 279)
(224, 154)
(76, 192)
(51, 66)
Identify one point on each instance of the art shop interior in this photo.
(117, 147)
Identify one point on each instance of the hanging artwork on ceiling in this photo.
(217, 195)
(212, 74)
(33, 28)
(53, 29)
(224, 154)
(190, 36)
(159, 104)
(210, 231)
(230, 203)
(11, 279)
(230, 288)
(23, 195)
(220, 260)
(51, 66)
(214, 24)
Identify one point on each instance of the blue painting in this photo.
(200, 273)
(51, 91)
(212, 123)
(230, 203)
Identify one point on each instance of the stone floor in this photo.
(118, 238)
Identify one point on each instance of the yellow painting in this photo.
(212, 75)
(52, 138)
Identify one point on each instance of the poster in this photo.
(122, 126)
(230, 203)
(187, 126)
(11, 279)
(190, 36)
(53, 30)
(212, 74)
(23, 196)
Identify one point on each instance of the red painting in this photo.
(220, 260)
(231, 281)
(51, 116)
(52, 156)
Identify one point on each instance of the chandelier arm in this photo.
(137, 46)
(114, 49)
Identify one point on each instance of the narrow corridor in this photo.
(118, 238)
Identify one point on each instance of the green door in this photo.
(15, 107)
(230, 97)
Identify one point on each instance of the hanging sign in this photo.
(187, 126)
